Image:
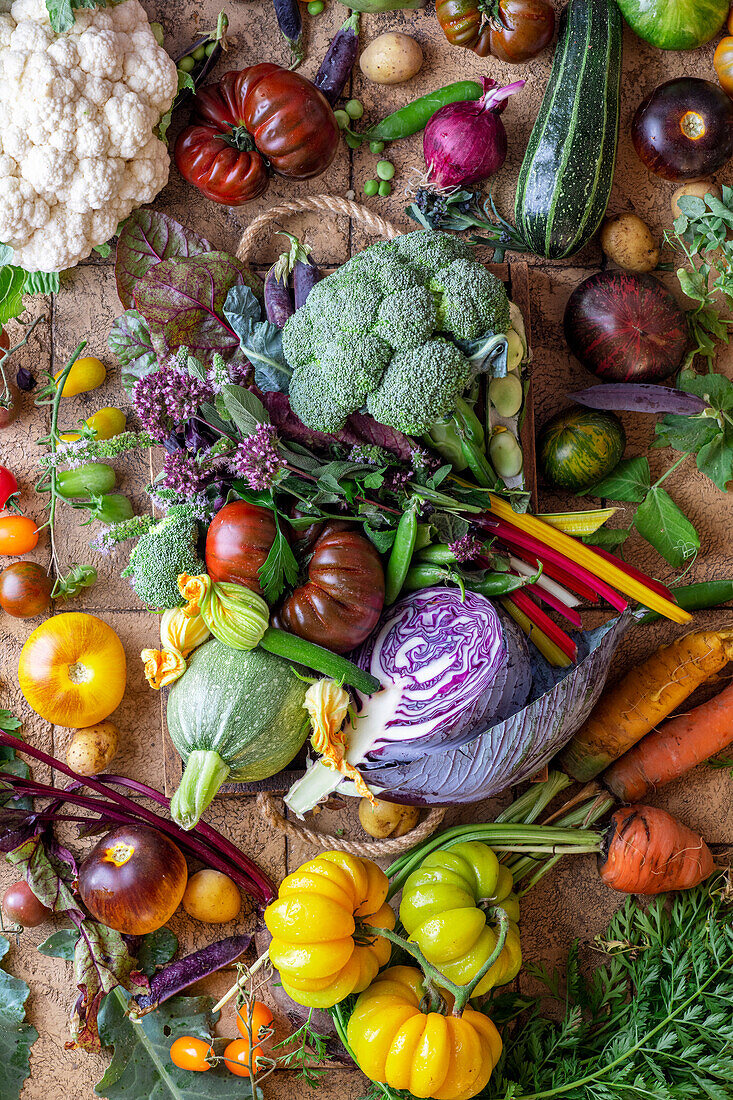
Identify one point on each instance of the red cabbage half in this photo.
(450, 667)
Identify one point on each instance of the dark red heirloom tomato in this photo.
(684, 129)
(262, 116)
(237, 543)
(625, 327)
(25, 590)
(341, 602)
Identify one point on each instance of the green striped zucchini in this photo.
(567, 172)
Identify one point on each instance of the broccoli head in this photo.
(420, 385)
(161, 555)
(377, 318)
(470, 300)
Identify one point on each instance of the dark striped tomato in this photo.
(237, 543)
(578, 447)
(625, 327)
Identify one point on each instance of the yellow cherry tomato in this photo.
(106, 423)
(86, 374)
(432, 1055)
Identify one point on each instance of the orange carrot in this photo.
(675, 749)
(647, 694)
(647, 851)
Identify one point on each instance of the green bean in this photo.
(698, 597)
(414, 116)
(479, 465)
(403, 548)
(472, 427)
(496, 584)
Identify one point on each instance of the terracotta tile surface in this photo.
(569, 903)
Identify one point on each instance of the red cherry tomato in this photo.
(18, 535)
(8, 486)
(21, 905)
(188, 1052)
(261, 1022)
(236, 1058)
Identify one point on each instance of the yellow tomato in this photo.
(723, 64)
(72, 670)
(86, 374)
(105, 423)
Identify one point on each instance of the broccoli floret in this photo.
(161, 555)
(300, 338)
(420, 386)
(323, 393)
(430, 250)
(408, 318)
(470, 300)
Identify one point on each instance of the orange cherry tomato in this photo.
(723, 64)
(236, 1058)
(72, 670)
(187, 1052)
(261, 1022)
(18, 535)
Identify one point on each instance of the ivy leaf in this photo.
(629, 480)
(666, 528)
(279, 569)
(131, 343)
(141, 1065)
(16, 1036)
(260, 340)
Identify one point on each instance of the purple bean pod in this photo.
(340, 57)
(639, 397)
(179, 975)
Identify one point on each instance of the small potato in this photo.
(696, 191)
(93, 748)
(212, 897)
(391, 58)
(383, 819)
(628, 241)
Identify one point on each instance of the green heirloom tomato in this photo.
(675, 24)
(446, 910)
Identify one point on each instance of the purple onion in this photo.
(639, 397)
(466, 142)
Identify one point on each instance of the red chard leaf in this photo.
(147, 239)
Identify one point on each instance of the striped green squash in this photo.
(578, 447)
(567, 172)
(675, 24)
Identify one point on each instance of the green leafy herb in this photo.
(242, 407)
(280, 567)
(16, 1036)
(300, 1049)
(653, 1022)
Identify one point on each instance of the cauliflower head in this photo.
(380, 333)
(78, 152)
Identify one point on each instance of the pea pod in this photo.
(89, 480)
(698, 597)
(437, 554)
(401, 555)
(427, 574)
(414, 116)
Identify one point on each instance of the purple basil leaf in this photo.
(147, 238)
(180, 975)
(639, 397)
(182, 300)
(359, 429)
(25, 381)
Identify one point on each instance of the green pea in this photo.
(199, 54)
(385, 189)
(187, 64)
(342, 118)
(371, 188)
(385, 170)
(210, 48)
(316, 7)
(401, 555)
(354, 109)
(376, 147)
(353, 140)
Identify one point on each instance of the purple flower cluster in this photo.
(167, 398)
(183, 476)
(466, 548)
(257, 459)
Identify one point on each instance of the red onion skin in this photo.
(465, 143)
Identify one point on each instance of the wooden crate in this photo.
(516, 276)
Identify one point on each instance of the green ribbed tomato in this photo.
(578, 447)
(675, 24)
(445, 909)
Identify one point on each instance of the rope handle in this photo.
(379, 227)
(369, 849)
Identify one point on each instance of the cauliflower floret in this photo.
(78, 150)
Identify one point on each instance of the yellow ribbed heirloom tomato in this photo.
(72, 670)
(319, 925)
(446, 910)
(432, 1055)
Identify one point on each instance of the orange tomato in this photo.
(723, 64)
(18, 535)
(261, 1022)
(236, 1058)
(188, 1052)
(72, 670)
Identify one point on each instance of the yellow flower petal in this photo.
(163, 667)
